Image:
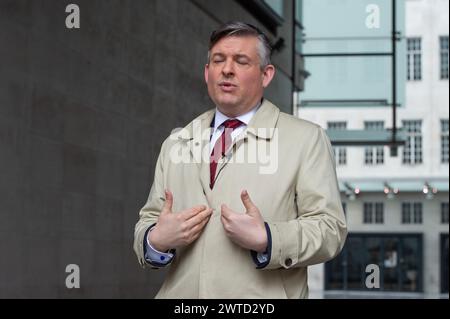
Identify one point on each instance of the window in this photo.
(399, 257)
(374, 155)
(417, 216)
(406, 213)
(275, 5)
(379, 214)
(412, 213)
(340, 153)
(443, 42)
(298, 26)
(444, 141)
(412, 151)
(367, 213)
(269, 13)
(414, 60)
(373, 213)
(444, 213)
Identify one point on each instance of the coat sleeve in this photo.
(319, 232)
(149, 214)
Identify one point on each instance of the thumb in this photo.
(224, 209)
(249, 206)
(167, 208)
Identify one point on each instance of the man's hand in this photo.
(181, 229)
(247, 230)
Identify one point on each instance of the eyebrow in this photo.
(220, 55)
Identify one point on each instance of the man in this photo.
(226, 224)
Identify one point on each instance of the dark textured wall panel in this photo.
(83, 114)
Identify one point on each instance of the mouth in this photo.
(227, 86)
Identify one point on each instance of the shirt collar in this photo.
(219, 117)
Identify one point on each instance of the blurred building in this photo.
(396, 196)
(83, 113)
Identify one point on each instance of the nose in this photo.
(228, 68)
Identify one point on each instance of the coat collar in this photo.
(262, 124)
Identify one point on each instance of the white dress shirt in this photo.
(219, 128)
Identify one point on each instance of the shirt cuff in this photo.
(155, 257)
(262, 259)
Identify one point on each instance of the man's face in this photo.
(234, 76)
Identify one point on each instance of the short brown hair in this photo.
(237, 28)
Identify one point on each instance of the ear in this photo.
(268, 74)
(206, 73)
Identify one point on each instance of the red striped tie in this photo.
(221, 146)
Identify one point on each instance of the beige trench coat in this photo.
(296, 192)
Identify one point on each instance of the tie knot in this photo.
(234, 123)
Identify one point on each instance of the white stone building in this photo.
(397, 207)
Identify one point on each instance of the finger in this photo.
(197, 228)
(223, 220)
(193, 211)
(169, 201)
(245, 197)
(197, 235)
(226, 212)
(200, 217)
(225, 224)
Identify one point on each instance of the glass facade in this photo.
(276, 6)
(444, 263)
(298, 26)
(353, 58)
(398, 257)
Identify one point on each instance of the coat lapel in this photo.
(196, 138)
(262, 126)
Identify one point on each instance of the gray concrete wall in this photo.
(82, 117)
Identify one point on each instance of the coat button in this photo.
(288, 262)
